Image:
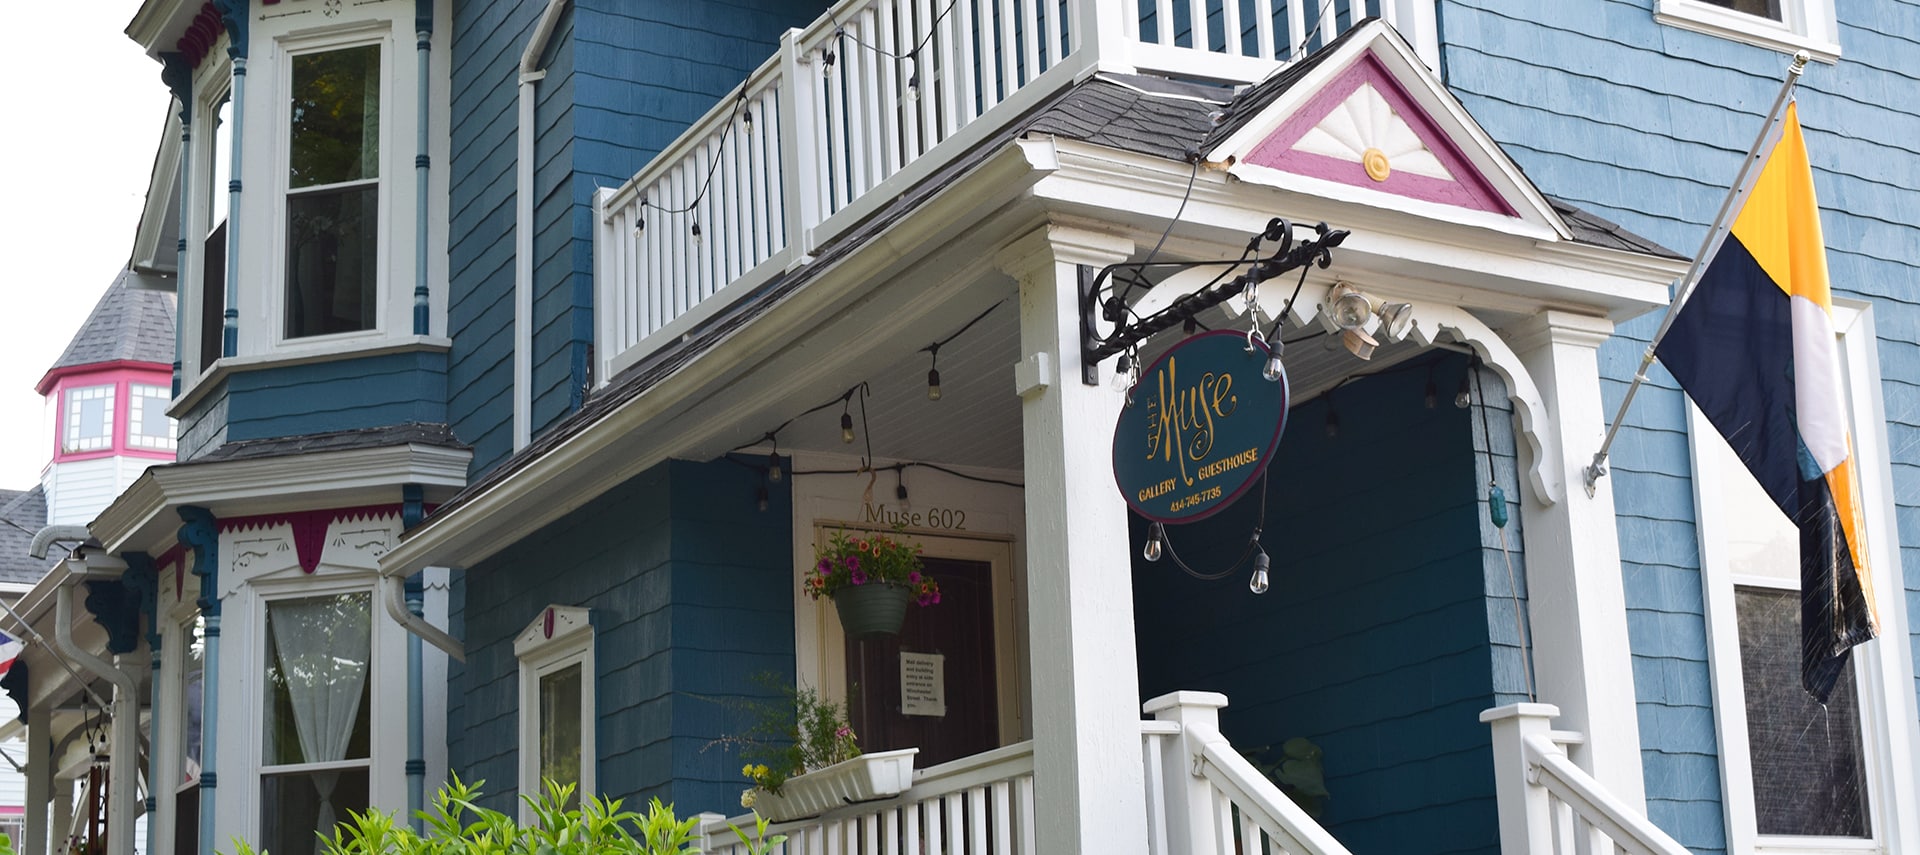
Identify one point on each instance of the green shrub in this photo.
(455, 825)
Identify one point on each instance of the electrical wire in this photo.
(739, 101)
(840, 31)
(1312, 27)
(1252, 547)
(934, 348)
(1506, 551)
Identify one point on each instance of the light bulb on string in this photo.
(775, 473)
(746, 117)
(1155, 538)
(913, 88)
(1431, 395)
(846, 428)
(1464, 398)
(760, 499)
(1123, 373)
(933, 384)
(1260, 581)
(1274, 371)
(696, 233)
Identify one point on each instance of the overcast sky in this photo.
(86, 121)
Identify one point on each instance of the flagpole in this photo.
(1741, 185)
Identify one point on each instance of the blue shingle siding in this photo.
(1645, 124)
(1385, 633)
(691, 594)
(292, 400)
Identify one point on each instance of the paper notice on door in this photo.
(923, 684)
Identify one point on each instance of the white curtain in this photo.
(323, 646)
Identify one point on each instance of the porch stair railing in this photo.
(1203, 798)
(872, 98)
(1549, 805)
(979, 804)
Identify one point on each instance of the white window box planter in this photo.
(864, 778)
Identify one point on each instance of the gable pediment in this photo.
(1369, 123)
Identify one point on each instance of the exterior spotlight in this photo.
(1155, 539)
(1260, 581)
(1347, 307)
(846, 428)
(1396, 320)
(1464, 398)
(933, 384)
(774, 473)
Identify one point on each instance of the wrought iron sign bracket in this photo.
(1100, 302)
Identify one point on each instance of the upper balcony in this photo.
(876, 96)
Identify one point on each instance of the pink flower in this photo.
(859, 576)
(843, 732)
(825, 567)
(914, 577)
(936, 596)
(852, 562)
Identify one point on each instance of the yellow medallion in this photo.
(1376, 163)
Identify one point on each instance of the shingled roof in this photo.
(128, 324)
(22, 513)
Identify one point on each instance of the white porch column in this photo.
(1575, 593)
(39, 778)
(62, 814)
(1088, 779)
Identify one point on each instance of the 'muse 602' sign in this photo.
(1203, 423)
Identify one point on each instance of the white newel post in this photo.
(1189, 799)
(1575, 593)
(799, 187)
(1526, 816)
(1100, 36)
(1089, 787)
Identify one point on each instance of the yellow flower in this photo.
(760, 771)
(747, 770)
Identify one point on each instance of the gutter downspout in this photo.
(423, 38)
(393, 595)
(124, 764)
(412, 508)
(530, 74)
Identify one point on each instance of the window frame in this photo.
(70, 416)
(136, 404)
(540, 652)
(376, 32)
(212, 87)
(1883, 671)
(1808, 25)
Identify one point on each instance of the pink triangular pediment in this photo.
(1330, 137)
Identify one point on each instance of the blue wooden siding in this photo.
(1645, 124)
(291, 400)
(623, 80)
(1389, 626)
(691, 595)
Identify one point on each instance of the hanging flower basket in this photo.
(868, 611)
(862, 779)
(871, 580)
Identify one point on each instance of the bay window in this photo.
(89, 424)
(333, 192)
(317, 717)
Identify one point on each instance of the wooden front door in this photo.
(961, 630)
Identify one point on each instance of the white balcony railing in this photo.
(1548, 805)
(872, 98)
(977, 805)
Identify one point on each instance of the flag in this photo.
(10, 649)
(1754, 347)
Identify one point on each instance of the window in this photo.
(147, 422)
(89, 419)
(333, 192)
(1799, 777)
(186, 792)
(317, 716)
(1782, 25)
(213, 248)
(556, 701)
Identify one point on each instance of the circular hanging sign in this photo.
(1201, 427)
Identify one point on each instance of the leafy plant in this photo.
(793, 733)
(1297, 769)
(845, 561)
(455, 825)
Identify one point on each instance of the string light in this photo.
(1155, 543)
(933, 352)
(1431, 395)
(1464, 398)
(774, 471)
(846, 427)
(1260, 580)
(760, 501)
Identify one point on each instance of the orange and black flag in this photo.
(1754, 347)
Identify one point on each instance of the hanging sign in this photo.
(1202, 425)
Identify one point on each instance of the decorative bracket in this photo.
(1543, 470)
(1113, 308)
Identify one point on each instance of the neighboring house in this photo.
(554, 339)
(106, 416)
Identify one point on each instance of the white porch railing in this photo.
(1203, 798)
(1548, 805)
(871, 99)
(979, 805)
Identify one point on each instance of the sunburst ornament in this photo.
(1365, 129)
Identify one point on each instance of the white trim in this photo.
(1808, 25)
(1883, 670)
(540, 654)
